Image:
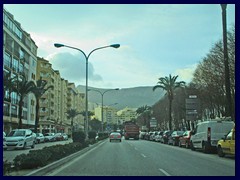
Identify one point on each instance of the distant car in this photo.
(158, 136)
(20, 139)
(115, 136)
(65, 136)
(58, 137)
(40, 138)
(227, 144)
(49, 137)
(173, 139)
(165, 136)
(185, 139)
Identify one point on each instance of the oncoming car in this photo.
(115, 136)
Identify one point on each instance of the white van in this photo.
(207, 134)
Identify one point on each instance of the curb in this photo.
(46, 169)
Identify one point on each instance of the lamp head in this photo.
(115, 45)
(57, 45)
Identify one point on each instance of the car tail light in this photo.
(209, 134)
(111, 136)
(119, 136)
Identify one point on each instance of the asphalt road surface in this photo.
(145, 158)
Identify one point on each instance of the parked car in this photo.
(65, 136)
(20, 139)
(40, 138)
(58, 137)
(165, 136)
(49, 137)
(208, 133)
(173, 139)
(115, 136)
(158, 136)
(227, 144)
(184, 140)
(35, 137)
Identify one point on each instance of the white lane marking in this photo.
(143, 155)
(164, 172)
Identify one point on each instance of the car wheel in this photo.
(179, 144)
(110, 140)
(120, 140)
(220, 152)
(25, 145)
(33, 145)
(187, 144)
(205, 147)
(192, 147)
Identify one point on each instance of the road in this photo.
(9, 155)
(145, 158)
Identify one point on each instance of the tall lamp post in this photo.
(102, 94)
(57, 45)
(225, 50)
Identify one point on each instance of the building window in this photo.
(7, 60)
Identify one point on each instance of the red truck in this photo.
(131, 130)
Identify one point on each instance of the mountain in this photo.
(126, 97)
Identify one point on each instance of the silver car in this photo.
(20, 139)
(115, 136)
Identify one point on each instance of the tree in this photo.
(22, 86)
(38, 91)
(8, 84)
(95, 124)
(145, 112)
(169, 84)
(71, 114)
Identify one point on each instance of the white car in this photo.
(20, 139)
(40, 138)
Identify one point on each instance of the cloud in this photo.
(72, 67)
(186, 74)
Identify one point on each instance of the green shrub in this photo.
(42, 157)
(79, 136)
(92, 134)
(6, 167)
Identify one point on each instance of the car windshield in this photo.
(16, 133)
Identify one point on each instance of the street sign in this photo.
(153, 122)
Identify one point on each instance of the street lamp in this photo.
(57, 45)
(102, 94)
(226, 65)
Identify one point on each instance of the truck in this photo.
(131, 130)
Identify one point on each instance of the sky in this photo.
(155, 39)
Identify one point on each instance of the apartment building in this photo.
(126, 114)
(57, 101)
(109, 114)
(19, 57)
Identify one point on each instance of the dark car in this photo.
(185, 139)
(173, 139)
(165, 136)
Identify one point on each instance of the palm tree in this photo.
(72, 113)
(169, 84)
(22, 87)
(8, 84)
(38, 91)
